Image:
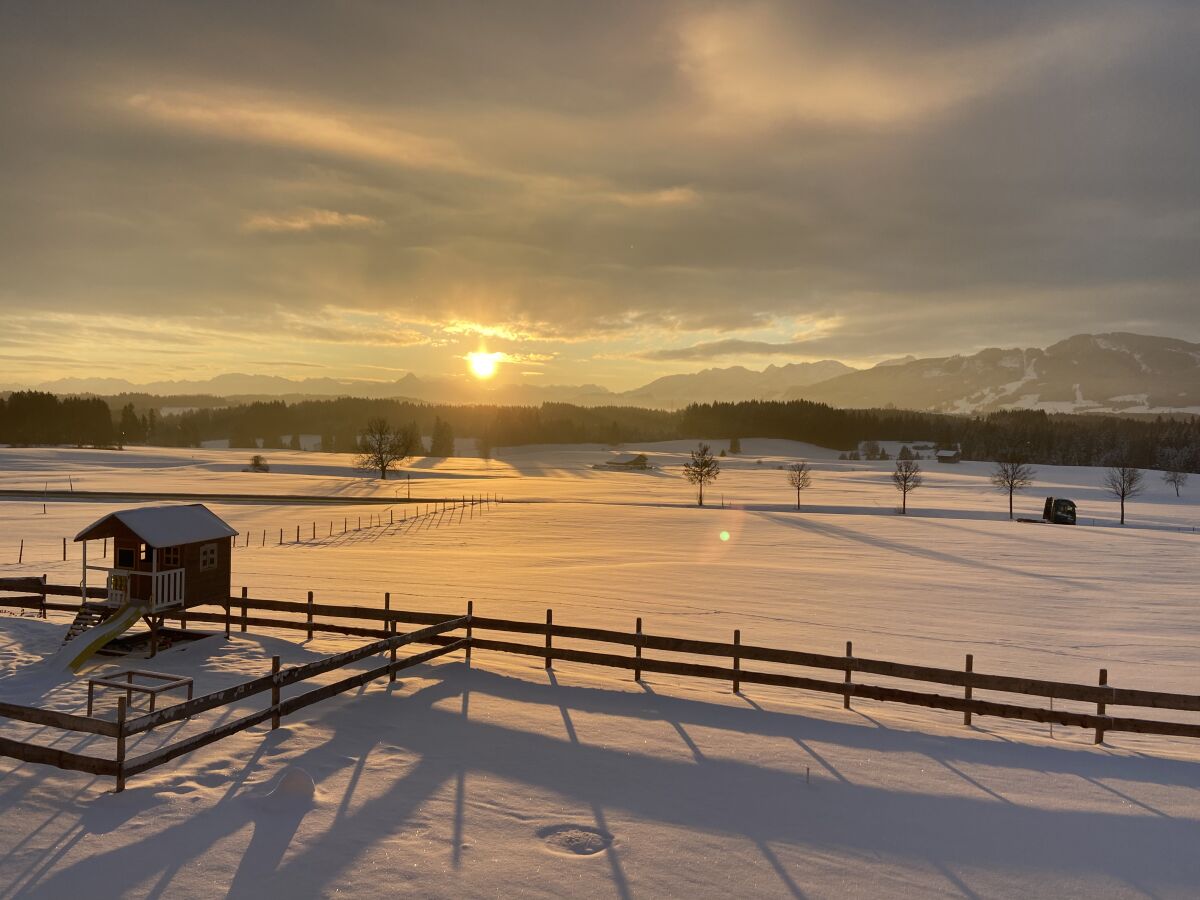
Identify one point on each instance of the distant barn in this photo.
(949, 456)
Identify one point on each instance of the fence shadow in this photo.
(973, 828)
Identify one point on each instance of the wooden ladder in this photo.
(89, 616)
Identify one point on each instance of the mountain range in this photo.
(1113, 373)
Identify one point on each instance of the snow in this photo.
(168, 526)
(504, 779)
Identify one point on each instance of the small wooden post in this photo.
(359, 523)
(470, 630)
(105, 548)
(637, 652)
(389, 625)
(21, 552)
(849, 654)
(737, 661)
(1101, 707)
(64, 549)
(549, 635)
(228, 617)
(314, 537)
(310, 615)
(391, 516)
(244, 593)
(967, 689)
(280, 537)
(121, 703)
(297, 534)
(264, 540)
(274, 692)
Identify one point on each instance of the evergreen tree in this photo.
(442, 441)
(701, 469)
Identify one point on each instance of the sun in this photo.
(483, 365)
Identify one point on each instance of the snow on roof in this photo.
(948, 453)
(168, 526)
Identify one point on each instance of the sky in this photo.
(598, 192)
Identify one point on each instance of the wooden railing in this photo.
(121, 767)
(383, 625)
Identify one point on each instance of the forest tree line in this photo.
(32, 418)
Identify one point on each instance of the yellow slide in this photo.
(80, 650)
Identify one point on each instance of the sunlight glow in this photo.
(724, 535)
(483, 365)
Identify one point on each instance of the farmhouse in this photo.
(949, 456)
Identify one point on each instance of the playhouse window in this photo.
(170, 557)
(125, 557)
(208, 556)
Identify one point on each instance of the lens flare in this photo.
(724, 535)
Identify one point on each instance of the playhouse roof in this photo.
(162, 526)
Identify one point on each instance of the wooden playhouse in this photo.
(163, 560)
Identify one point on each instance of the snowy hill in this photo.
(1117, 373)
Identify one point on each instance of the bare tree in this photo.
(1174, 465)
(907, 477)
(800, 478)
(380, 447)
(1011, 475)
(702, 469)
(1123, 482)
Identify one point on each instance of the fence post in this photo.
(470, 630)
(849, 654)
(21, 552)
(737, 661)
(389, 625)
(64, 549)
(637, 652)
(967, 689)
(310, 615)
(244, 593)
(228, 617)
(121, 703)
(274, 692)
(1101, 707)
(297, 534)
(42, 592)
(280, 537)
(549, 635)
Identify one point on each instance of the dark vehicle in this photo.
(1059, 511)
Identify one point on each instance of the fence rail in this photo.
(382, 625)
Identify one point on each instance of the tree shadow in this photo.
(761, 804)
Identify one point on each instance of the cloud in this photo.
(307, 220)
(728, 348)
(272, 121)
(360, 186)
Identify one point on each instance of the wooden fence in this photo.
(122, 767)
(426, 513)
(382, 624)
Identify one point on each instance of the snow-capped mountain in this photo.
(1118, 373)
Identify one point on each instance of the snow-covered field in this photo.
(482, 782)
